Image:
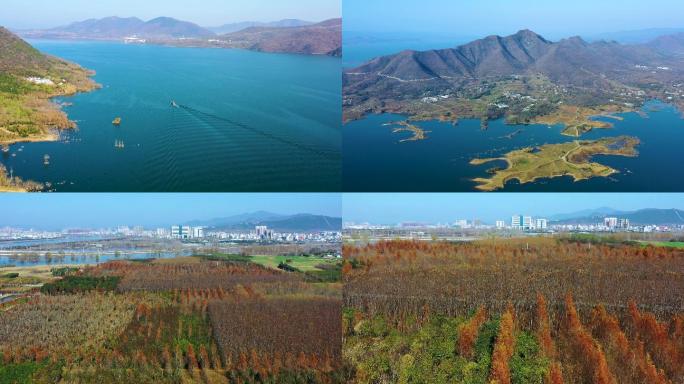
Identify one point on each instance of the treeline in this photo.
(483, 348)
(516, 311)
(403, 276)
(81, 284)
(201, 275)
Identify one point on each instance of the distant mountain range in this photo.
(324, 38)
(639, 217)
(295, 223)
(640, 36)
(118, 28)
(603, 212)
(235, 27)
(669, 44)
(284, 36)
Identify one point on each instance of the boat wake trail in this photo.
(208, 117)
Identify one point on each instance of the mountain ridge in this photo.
(655, 216)
(324, 38)
(304, 222)
(569, 71)
(235, 27)
(115, 27)
(284, 36)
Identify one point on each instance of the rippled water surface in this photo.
(246, 121)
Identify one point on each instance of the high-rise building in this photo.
(500, 224)
(528, 223)
(623, 224)
(263, 232)
(181, 232)
(197, 232)
(517, 222)
(610, 222)
(541, 224)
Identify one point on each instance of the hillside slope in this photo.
(28, 79)
(324, 38)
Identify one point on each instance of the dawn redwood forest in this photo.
(532, 310)
(175, 321)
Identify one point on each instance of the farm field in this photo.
(536, 310)
(189, 320)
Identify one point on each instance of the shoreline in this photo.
(574, 162)
(184, 44)
(48, 116)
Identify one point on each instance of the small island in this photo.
(555, 160)
(405, 126)
(580, 120)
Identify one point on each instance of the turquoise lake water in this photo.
(248, 121)
(441, 162)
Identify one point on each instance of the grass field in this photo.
(303, 263)
(554, 160)
(28, 279)
(671, 244)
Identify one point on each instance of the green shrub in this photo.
(30, 372)
(63, 271)
(78, 284)
(13, 275)
(527, 363)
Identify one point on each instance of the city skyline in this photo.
(213, 13)
(392, 208)
(60, 211)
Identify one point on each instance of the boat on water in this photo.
(174, 104)
(119, 144)
(117, 121)
(46, 159)
(5, 149)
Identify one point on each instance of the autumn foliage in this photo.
(468, 333)
(503, 350)
(595, 334)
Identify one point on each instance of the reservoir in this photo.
(440, 163)
(192, 120)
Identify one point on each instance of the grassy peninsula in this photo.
(555, 160)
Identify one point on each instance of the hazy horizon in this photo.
(393, 208)
(213, 13)
(474, 19)
(60, 211)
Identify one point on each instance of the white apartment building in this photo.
(528, 223)
(541, 224)
(181, 232)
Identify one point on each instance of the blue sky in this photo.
(92, 210)
(553, 18)
(447, 208)
(18, 14)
